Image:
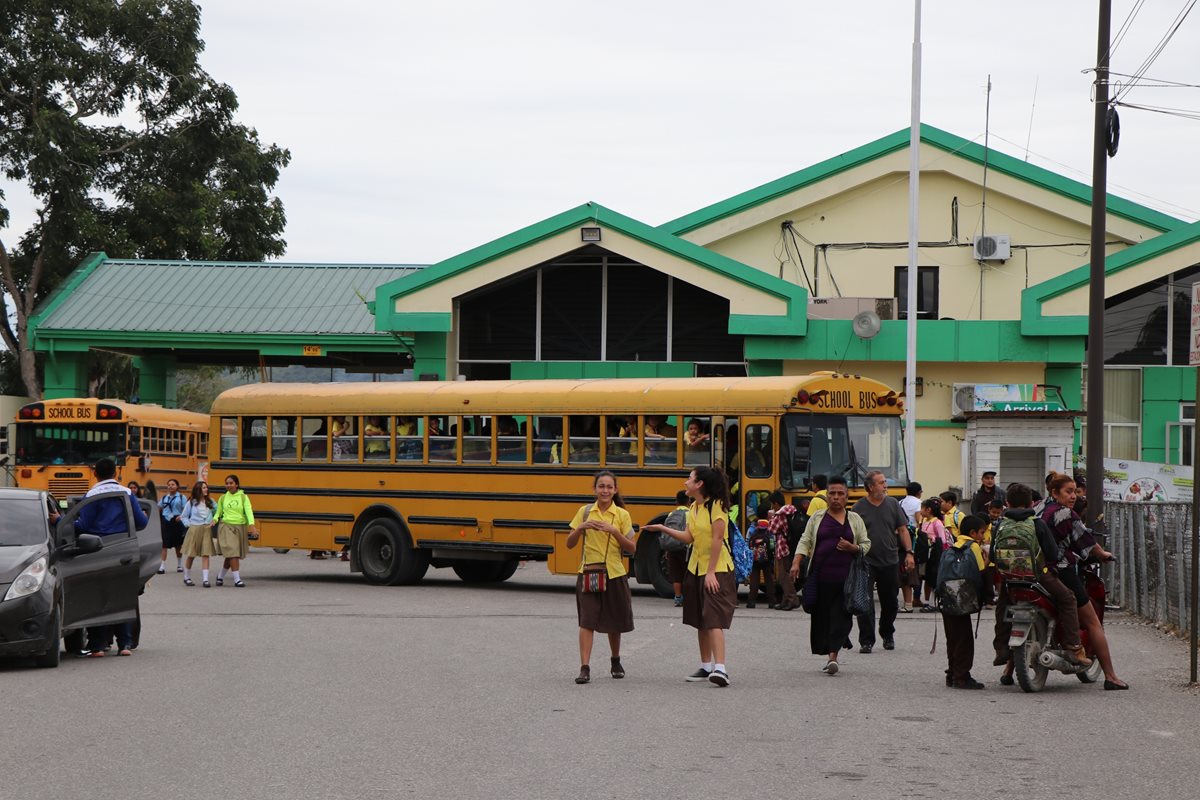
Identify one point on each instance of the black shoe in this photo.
(949, 680)
(969, 683)
(617, 670)
(866, 648)
(1006, 680)
(1112, 686)
(847, 645)
(749, 605)
(889, 644)
(585, 674)
(699, 675)
(719, 678)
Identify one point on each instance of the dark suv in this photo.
(55, 581)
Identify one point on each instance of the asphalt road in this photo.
(310, 684)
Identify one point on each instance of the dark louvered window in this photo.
(498, 324)
(700, 326)
(637, 313)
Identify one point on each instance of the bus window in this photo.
(661, 439)
(757, 460)
(410, 438)
(254, 439)
(621, 440)
(314, 439)
(377, 439)
(547, 440)
(135, 440)
(229, 438)
(584, 439)
(202, 447)
(477, 439)
(345, 438)
(443, 439)
(283, 438)
(697, 442)
(510, 442)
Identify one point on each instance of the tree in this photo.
(183, 181)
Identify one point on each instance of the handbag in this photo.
(595, 576)
(856, 592)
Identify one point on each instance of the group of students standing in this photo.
(199, 527)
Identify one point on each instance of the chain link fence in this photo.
(1153, 546)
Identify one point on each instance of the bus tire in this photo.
(485, 571)
(282, 550)
(386, 555)
(651, 563)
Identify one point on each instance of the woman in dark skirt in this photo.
(832, 539)
(606, 530)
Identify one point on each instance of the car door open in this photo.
(99, 588)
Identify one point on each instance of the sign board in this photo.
(1001, 397)
(312, 350)
(1143, 481)
(1194, 338)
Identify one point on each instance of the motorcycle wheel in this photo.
(1031, 675)
(1092, 673)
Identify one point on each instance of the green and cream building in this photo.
(762, 283)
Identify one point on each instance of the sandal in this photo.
(239, 583)
(617, 670)
(206, 585)
(585, 674)
(188, 582)
(220, 581)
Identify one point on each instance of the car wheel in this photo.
(53, 654)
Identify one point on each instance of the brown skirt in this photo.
(199, 542)
(704, 610)
(231, 540)
(610, 611)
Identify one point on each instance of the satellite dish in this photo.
(866, 324)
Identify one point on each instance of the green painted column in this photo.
(764, 368)
(429, 354)
(65, 375)
(156, 380)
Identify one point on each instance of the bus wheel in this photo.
(387, 557)
(651, 563)
(282, 550)
(485, 571)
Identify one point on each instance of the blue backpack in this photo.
(743, 559)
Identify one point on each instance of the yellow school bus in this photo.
(478, 475)
(58, 441)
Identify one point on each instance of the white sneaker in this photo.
(831, 668)
(162, 570)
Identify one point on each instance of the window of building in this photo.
(927, 292)
(592, 305)
(1150, 324)
(1122, 412)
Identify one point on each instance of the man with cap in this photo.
(985, 494)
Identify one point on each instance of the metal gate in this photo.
(1152, 576)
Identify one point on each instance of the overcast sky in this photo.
(419, 130)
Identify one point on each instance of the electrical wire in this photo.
(1133, 12)
(1183, 113)
(803, 271)
(1140, 72)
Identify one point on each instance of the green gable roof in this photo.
(1033, 323)
(793, 324)
(963, 148)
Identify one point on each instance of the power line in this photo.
(1140, 72)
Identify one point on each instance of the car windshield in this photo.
(22, 521)
(68, 444)
(850, 446)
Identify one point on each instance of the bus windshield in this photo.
(850, 446)
(68, 444)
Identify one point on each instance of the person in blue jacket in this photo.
(106, 518)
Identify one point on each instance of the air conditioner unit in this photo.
(849, 307)
(993, 247)
(962, 400)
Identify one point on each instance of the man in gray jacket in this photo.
(891, 552)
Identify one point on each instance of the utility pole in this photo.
(1094, 446)
(914, 201)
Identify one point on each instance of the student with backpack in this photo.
(762, 545)
(784, 519)
(674, 550)
(1023, 537)
(709, 587)
(962, 588)
(951, 516)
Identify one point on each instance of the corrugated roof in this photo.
(224, 297)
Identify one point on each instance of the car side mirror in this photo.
(85, 543)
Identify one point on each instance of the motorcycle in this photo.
(1034, 639)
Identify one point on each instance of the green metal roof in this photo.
(209, 297)
(963, 148)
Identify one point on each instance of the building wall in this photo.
(1163, 389)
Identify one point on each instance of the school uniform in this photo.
(198, 519)
(960, 643)
(235, 515)
(170, 507)
(610, 611)
(702, 609)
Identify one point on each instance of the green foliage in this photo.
(196, 388)
(127, 145)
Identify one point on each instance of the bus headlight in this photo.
(29, 581)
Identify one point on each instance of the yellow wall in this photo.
(870, 204)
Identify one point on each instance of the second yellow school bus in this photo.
(479, 475)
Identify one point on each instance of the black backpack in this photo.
(959, 582)
(796, 525)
